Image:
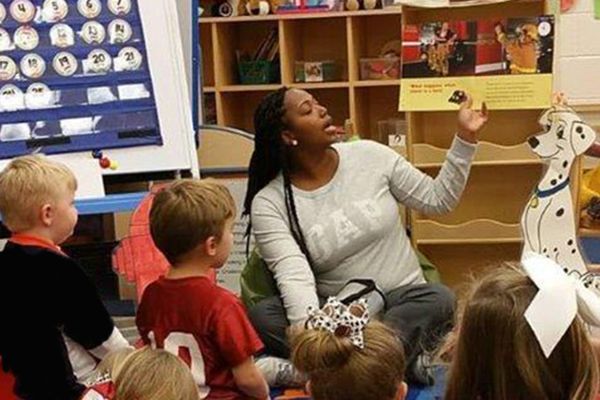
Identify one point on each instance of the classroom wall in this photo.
(578, 64)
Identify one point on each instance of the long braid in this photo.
(290, 206)
(268, 160)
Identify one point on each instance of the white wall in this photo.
(578, 64)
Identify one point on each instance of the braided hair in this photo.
(270, 157)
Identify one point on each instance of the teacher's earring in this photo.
(294, 143)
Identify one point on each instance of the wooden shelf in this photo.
(344, 37)
(487, 154)
(460, 263)
(506, 128)
(320, 85)
(318, 15)
(372, 105)
(385, 83)
(297, 43)
(249, 88)
(477, 231)
(208, 61)
(513, 184)
(228, 40)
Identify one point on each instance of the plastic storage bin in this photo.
(258, 72)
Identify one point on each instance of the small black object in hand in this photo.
(458, 97)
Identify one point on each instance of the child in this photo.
(144, 374)
(185, 312)
(498, 357)
(347, 357)
(51, 313)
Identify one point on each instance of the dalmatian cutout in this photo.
(548, 221)
(340, 320)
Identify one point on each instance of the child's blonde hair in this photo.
(497, 356)
(148, 374)
(339, 370)
(26, 184)
(186, 213)
(111, 365)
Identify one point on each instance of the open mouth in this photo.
(329, 127)
(551, 156)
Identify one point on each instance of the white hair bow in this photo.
(559, 299)
(341, 320)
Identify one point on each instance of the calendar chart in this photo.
(74, 76)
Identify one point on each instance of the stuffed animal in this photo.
(354, 5)
(522, 51)
(258, 7)
(229, 8)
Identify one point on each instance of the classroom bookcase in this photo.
(484, 229)
(345, 37)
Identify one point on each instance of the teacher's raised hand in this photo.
(471, 121)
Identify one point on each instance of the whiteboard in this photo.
(167, 63)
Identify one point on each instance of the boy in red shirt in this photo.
(186, 313)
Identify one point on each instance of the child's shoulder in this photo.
(226, 297)
(36, 257)
(197, 290)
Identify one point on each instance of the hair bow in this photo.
(340, 319)
(559, 299)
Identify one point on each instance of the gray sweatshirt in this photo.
(352, 224)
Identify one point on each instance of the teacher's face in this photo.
(308, 122)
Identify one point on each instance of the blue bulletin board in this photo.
(74, 76)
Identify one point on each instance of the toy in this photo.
(355, 5)
(229, 8)
(522, 51)
(548, 222)
(257, 7)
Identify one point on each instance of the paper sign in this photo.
(89, 178)
(229, 275)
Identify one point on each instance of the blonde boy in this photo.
(186, 313)
(53, 320)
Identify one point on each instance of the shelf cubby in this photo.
(374, 104)
(208, 62)
(244, 103)
(313, 40)
(368, 36)
(228, 39)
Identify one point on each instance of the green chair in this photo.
(257, 282)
